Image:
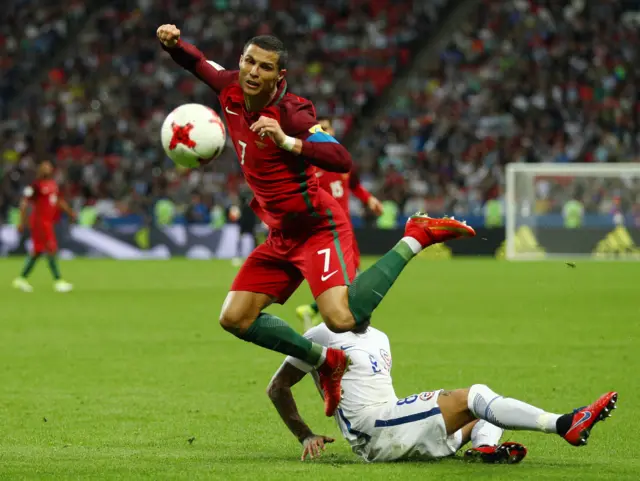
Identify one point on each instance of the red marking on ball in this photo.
(181, 136)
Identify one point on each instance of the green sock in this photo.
(28, 265)
(368, 289)
(273, 333)
(53, 266)
(314, 307)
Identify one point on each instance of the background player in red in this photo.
(43, 196)
(340, 186)
(279, 145)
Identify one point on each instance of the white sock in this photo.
(509, 413)
(323, 357)
(485, 434)
(413, 244)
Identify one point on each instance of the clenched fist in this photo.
(168, 35)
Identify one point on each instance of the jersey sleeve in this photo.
(299, 118)
(357, 189)
(320, 148)
(190, 58)
(319, 334)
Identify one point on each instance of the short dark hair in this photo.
(362, 327)
(270, 43)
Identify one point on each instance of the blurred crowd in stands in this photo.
(519, 81)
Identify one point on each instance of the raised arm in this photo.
(279, 391)
(193, 60)
(64, 206)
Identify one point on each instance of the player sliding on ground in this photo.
(432, 424)
(340, 186)
(279, 145)
(44, 197)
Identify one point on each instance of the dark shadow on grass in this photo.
(344, 460)
(294, 458)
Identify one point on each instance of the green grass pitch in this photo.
(131, 377)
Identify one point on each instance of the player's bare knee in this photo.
(240, 309)
(339, 320)
(455, 400)
(236, 319)
(461, 398)
(454, 408)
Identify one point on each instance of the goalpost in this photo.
(572, 211)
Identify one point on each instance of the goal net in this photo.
(572, 211)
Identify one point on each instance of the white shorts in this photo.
(409, 428)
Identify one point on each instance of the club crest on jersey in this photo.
(260, 145)
(386, 357)
(425, 396)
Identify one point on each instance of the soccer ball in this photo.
(193, 135)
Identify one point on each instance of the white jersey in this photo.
(367, 384)
(378, 425)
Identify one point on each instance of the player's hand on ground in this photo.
(314, 445)
(168, 34)
(375, 206)
(271, 127)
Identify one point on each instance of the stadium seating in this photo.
(529, 81)
(515, 83)
(30, 32)
(100, 109)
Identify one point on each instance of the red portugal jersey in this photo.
(283, 184)
(285, 188)
(340, 186)
(43, 195)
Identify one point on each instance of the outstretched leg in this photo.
(343, 311)
(461, 406)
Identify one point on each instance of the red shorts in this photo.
(43, 237)
(356, 252)
(277, 267)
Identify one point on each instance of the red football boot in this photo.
(506, 453)
(330, 374)
(428, 230)
(585, 418)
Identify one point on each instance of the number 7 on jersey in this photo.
(327, 264)
(243, 145)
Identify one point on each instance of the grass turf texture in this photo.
(130, 376)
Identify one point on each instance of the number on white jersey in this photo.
(408, 400)
(337, 191)
(374, 364)
(244, 150)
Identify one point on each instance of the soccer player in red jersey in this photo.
(44, 199)
(280, 145)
